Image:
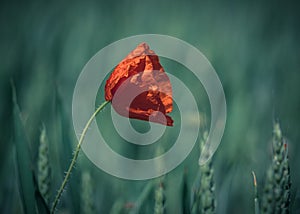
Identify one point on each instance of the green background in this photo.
(253, 45)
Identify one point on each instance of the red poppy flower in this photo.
(139, 88)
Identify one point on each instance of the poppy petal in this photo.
(139, 87)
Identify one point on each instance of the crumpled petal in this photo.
(139, 87)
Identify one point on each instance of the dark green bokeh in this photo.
(253, 45)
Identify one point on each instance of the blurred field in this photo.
(253, 45)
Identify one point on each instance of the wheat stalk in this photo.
(159, 207)
(276, 198)
(204, 201)
(87, 205)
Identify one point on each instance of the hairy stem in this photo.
(67, 176)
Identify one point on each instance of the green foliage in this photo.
(35, 195)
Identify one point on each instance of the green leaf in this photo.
(23, 160)
(185, 194)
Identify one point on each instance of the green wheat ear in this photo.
(44, 169)
(87, 204)
(159, 207)
(204, 201)
(276, 198)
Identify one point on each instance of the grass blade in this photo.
(256, 202)
(87, 200)
(23, 157)
(41, 205)
(143, 196)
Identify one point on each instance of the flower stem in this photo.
(67, 176)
